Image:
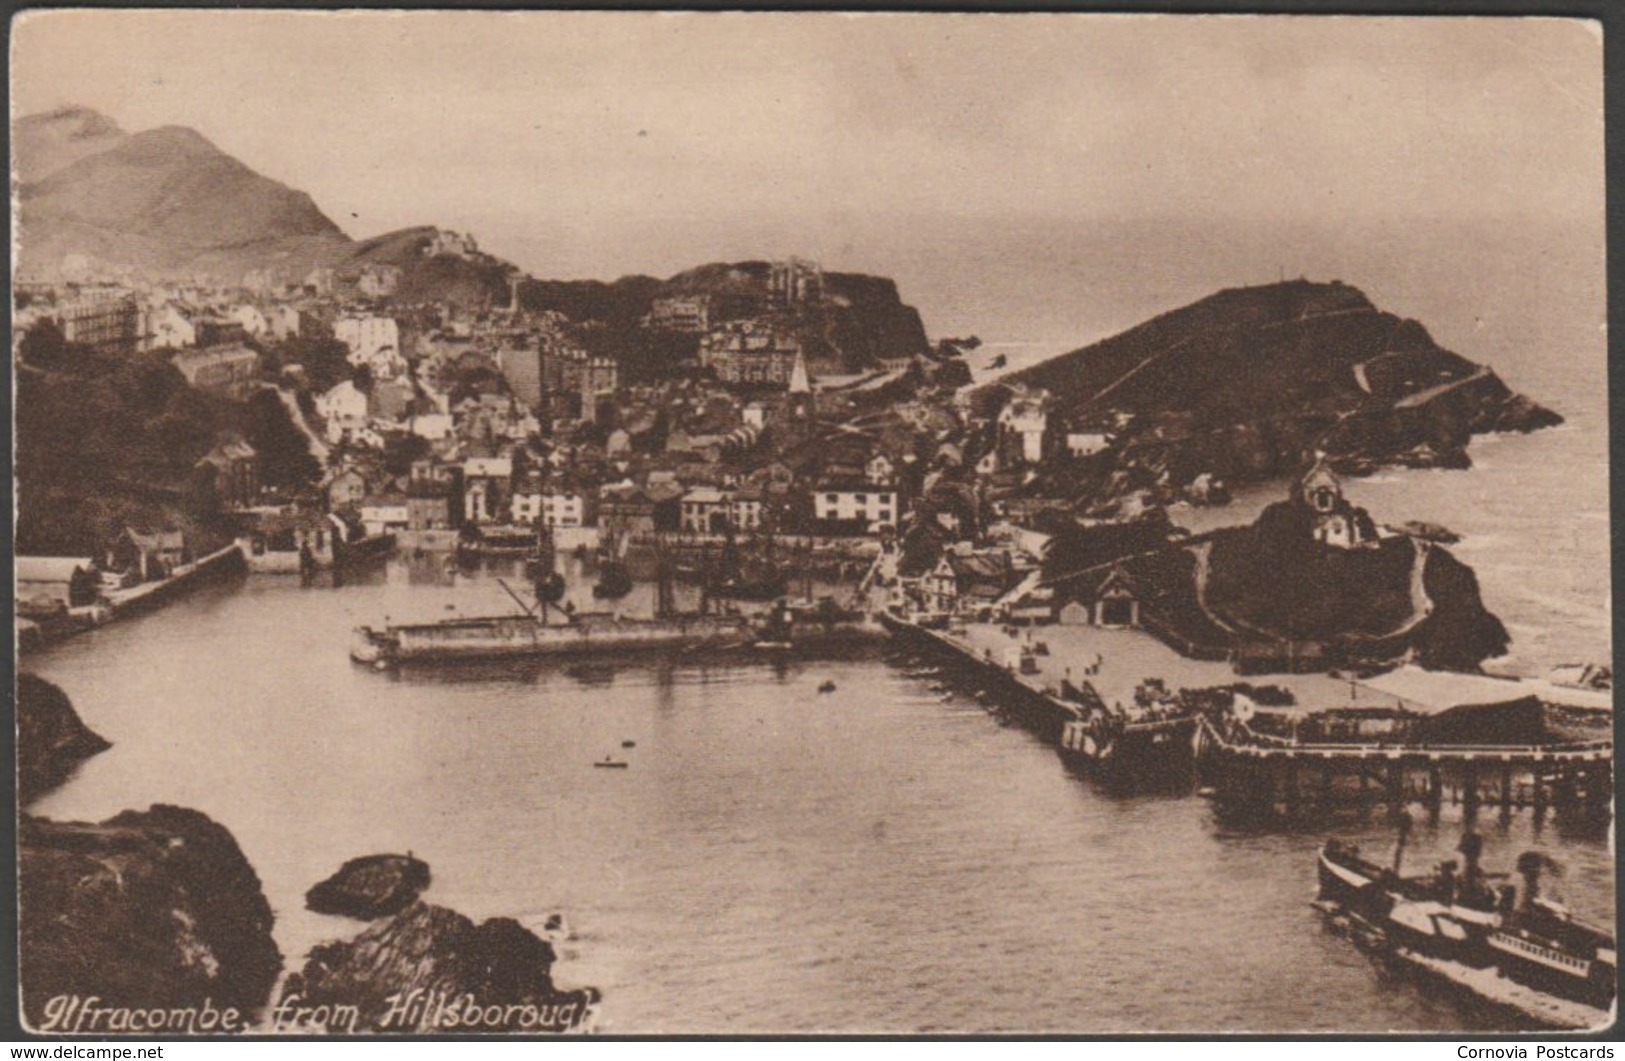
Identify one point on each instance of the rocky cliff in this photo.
(149, 910)
(1249, 382)
(1274, 598)
(1399, 595)
(51, 738)
(475, 281)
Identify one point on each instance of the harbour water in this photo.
(884, 857)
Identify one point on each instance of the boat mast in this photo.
(665, 603)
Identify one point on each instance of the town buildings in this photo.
(750, 352)
(855, 505)
(794, 281)
(112, 325)
(686, 314)
(229, 370)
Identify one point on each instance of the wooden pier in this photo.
(1255, 774)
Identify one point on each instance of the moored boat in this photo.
(1150, 740)
(1501, 942)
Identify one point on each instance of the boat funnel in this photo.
(1471, 848)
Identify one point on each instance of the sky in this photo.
(600, 144)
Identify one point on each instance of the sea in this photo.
(891, 856)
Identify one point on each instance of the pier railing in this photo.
(1265, 746)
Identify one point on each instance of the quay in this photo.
(228, 560)
(113, 604)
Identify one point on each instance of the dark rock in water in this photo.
(371, 887)
(1432, 532)
(1461, 633)
(429, 969)
(154, 909)
(51, 739)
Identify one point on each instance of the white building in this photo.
(344, 402)
(284, 322)
(372, 340)
(170, 328)
(1022, 424)
(564, 508)
(486, 482)
(851, 503)
(447, 244)
(252, 320)
(1086, 443)
(384, 515)
(526, 507)
(354, 431)
(708, 510)
(436, 427)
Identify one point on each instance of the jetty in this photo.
(1417, 736)
(228, 560)
(1250, 772)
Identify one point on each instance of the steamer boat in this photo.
(1497, 939)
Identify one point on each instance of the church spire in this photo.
(798, 376)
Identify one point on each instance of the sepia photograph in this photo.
(617, 523)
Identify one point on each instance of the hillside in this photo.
(105, 442)
(162, 201)
(1246, 383)
(168, 202)
(478, 280)
(859, 321)
(45, 143)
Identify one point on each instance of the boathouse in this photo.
(149, 556)
(52, 583)
(1113, 602)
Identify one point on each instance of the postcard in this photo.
(541, 523)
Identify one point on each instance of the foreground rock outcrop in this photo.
(149, 910)
(371, 887)
(429, 969)
(51, 738)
